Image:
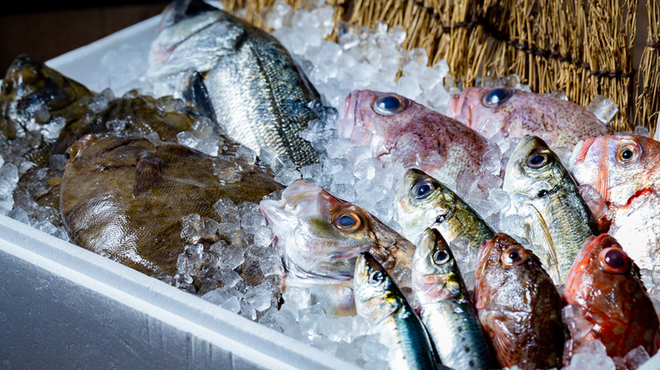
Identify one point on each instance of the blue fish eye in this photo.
(537, 160)
(441, 257)
(423, 189)
(389, 104)
(497, 97)
(348, 221)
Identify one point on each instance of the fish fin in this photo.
(541, 234)
(197, 96)
(148, 172)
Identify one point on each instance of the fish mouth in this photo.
(458, 106)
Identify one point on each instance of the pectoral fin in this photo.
(197, 96)
(148, 173)
(541, 236)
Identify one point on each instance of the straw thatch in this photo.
(583, 47)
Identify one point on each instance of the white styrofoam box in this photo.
(64, 307)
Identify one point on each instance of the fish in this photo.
(236, 75)
(607, 301)
(422, 202)
(379, 299)
(125, 197)
(446, 308)
(36, 98)
(516, 113)
(399, 130)
(518, 305)
(319, 238)
(541, 190)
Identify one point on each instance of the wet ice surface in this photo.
(364, 59)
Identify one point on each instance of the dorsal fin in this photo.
(148, 172)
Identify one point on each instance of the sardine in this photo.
(516, 113)
(446, 308)
(518, 305)
(606, 300)
(379, 299)
(402, 131)
(319, 238)
(422, 201)
(557, 218)
(625, 171)
(238, 75)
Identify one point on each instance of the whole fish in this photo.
(516, 113)
(624, 170)
(235, 74)
(446, 308)
(379, 299)
(422, 201)
(402, 131)
(607, 301)
(319, 238)
(125, 198)
(34, 97)
(518, 305)
(557, 218)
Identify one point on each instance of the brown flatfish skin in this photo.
(518, 305)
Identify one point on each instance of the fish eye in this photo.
(348, 221)
(613, 260)
(376, 277)
(441, 257)
(514, 256)
(537, 160)
(72, 152)
(627, 153)
(497, 96)
(423, 189)
(390, 104)
(6, 87)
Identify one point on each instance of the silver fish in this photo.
(379, 299)
(446, 308)
(423, 201)
(558, 219)
(237, 75)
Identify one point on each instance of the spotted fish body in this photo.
(446, 308)
(516, 113)
(378, 298)
(237, 74)
(541, 190)
(423, 201)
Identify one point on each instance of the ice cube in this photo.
(288, 176)
(227, 210)
(603, 108)
(229, 256)
(636, 357)
(259, 297)
(642, 131)
(207, 146)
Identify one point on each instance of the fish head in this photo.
(421, 201)
(435, 272)
(31, 94)
(489, 110)
(533, 170)
(400, 130)
(320, 236)
(619, 167)
(508, 276)
(376, 294)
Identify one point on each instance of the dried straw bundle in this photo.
(584, 48)
(647, 104)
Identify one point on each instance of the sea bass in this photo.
(125, 197)
(557, 218)
(320, 236)
(625, 171)
(400, 130)
(518, 305)
(379, 299)
(446, 308)
(422, 201)
(516, 113)
(607, 301)
(235, 74)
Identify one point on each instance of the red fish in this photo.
(516, 113)
(400, 130)
(609, 301)
(518, 304)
